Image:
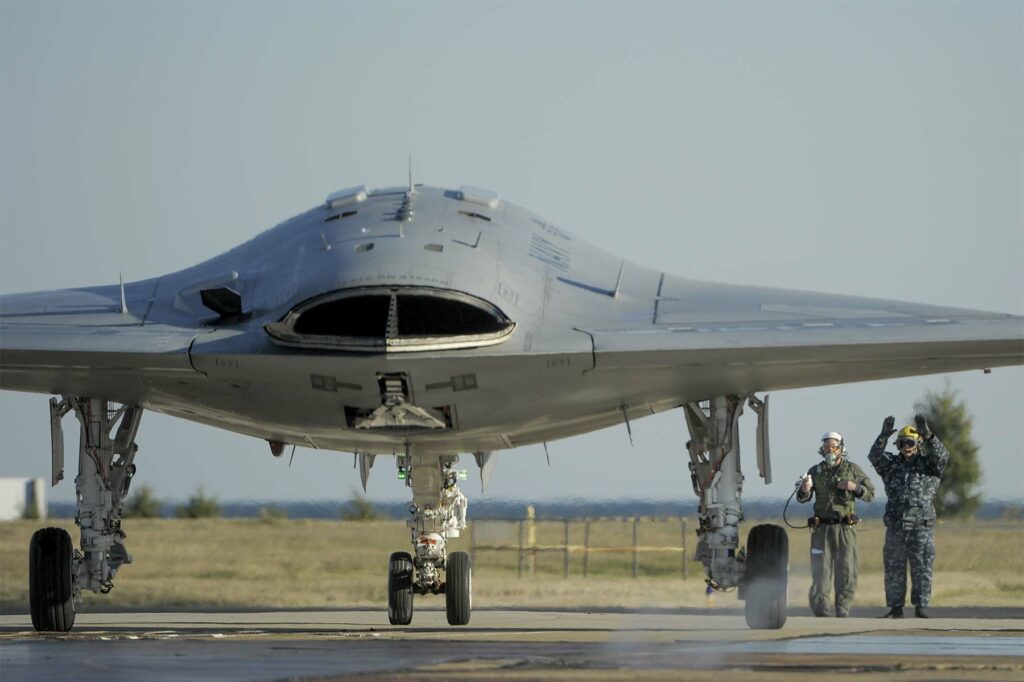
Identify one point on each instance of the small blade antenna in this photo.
(546, 455)
(124, 305)
(292, 458)
(629, 429)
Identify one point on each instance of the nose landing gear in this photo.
(438, 512)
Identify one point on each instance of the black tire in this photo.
(51, 598)
(400, 579)
(458, 588)
(766, 584)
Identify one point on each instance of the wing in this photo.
(79, 342)
(724, 338)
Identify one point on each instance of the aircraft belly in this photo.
(310, 398)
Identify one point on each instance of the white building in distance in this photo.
(19, 494)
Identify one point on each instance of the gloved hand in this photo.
(888, 428)
(922, 426)
(805, 483)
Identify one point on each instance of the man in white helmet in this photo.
(836, 484)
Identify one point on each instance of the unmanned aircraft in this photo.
(420, 323)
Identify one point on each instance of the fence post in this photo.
(522, 535)
(636, 543)
(531, 538)
(565, 568)
(586, 548)
(686, 564)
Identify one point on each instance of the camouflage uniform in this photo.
(834, 543)
(910, 485)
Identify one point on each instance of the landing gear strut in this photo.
(761, 571)
(438, 512)
(58, 574)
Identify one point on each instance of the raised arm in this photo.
(877, 455)
(934, 451)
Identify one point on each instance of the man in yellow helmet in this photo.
(836, 484)
(911, 480)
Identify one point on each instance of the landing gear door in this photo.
(57, 412)
(764, 462)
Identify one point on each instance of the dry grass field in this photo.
(249, 563)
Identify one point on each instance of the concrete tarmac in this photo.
(502, 644)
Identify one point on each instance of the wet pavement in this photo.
(244, 647)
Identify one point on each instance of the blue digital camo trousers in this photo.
(913, 546)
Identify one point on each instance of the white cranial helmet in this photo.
(833, 435)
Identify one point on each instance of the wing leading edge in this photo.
(743, 358)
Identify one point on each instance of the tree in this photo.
(199, 506)
(949, 421)
(143, 504)
(359, 509)
(272, 514)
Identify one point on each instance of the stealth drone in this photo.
(420, 323)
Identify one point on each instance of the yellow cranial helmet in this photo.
(908, 432)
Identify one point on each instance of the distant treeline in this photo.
(516, 509)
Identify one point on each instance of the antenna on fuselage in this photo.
(124, 305)
(629, 429)
(618, 280)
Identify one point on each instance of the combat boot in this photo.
(919, 612)
(894, 612)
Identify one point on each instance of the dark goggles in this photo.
(906, 442)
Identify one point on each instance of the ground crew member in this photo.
(911, 479)
(836, 484)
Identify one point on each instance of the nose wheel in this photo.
(400, 582)
(458, 588)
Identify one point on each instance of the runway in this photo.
(511, 644)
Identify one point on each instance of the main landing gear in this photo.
(438, 512)
(58, 574)
(761, 571)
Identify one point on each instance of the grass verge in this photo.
(282, 563)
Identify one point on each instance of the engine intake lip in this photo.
(392, 320)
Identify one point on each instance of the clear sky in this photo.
(872, 149)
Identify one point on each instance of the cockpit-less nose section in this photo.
(384, 319)
(391, 320)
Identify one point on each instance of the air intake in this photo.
(392, 319)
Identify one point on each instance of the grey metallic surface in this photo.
(594, 334)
